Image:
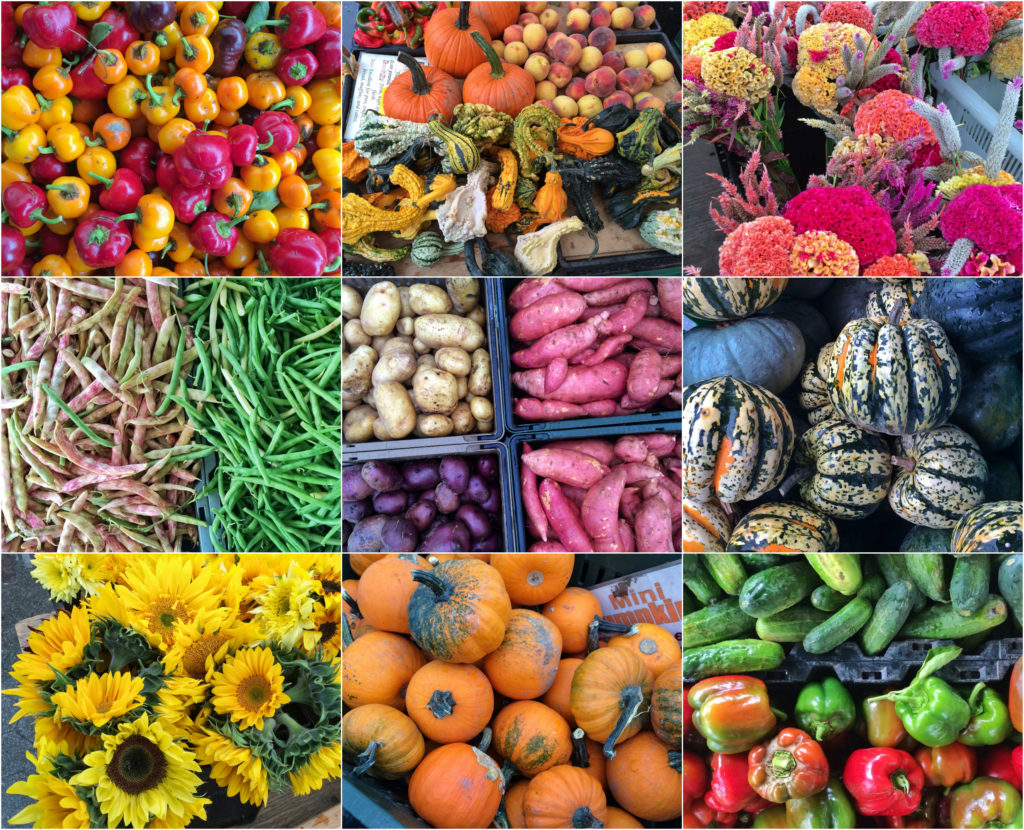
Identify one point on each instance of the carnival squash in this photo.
(728, 298)
(457, 785)
(813, 395)
(387, 585)
(525, 664)
(384, 741)
(990, 404)
(784, 527)
(448, 40)
(573, 611)
(667, 704)
(981, 317)
(459, 612)
(449, 702)
(884, 298)
(645, 776)
(706, 528)
(557, 697)
(587, 755)
(653, 644)
(610, 696)
(991, 527)
(565, 796)
(738, 439)
(534, 578)
(534, 737)
(423, 90)
(498, 84)
(378, 667)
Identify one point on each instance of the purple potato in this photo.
(365, 536)
(477, 490)
(391, 502)
(426, 495)
(493, 504)
(474, 517)
(442, 539)
(346, 529)
(421, 475)
(421, 514)
(381, 476)
(356, 511)
(488, 545)
(446, 499)
(399, 535)
(353, 486)
(461, 535)
(455, 473)
(487, 466)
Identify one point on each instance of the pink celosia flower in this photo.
(889, 113)
(892, 266)
(691, 66)
(998, 16)
(726, 41)
(757, 249)
(961, 25)
(851, 214)
(849, 12)
(988, 215)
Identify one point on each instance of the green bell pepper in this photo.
(990, 718)
(831, 807)
(930, 709)
(825, 710)
(985, 802)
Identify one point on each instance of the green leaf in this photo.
(265, 200)
(258, 15)
(98, 32)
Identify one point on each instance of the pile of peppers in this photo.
(929, 755)
(391, 24)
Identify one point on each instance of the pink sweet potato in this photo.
(670, 294)
(639, 473)
(566, 466)
(561, 515)
(536, 520)
(575, 494)
(626, 534)
(596, 310)
(653, 527)
(600, 512)
(663, 388)
(582, 357)
(631, 448)
(532, 409)
(618, 292)
(564, 342)
(609, 347)
(594, 447)
(546, 314)
(671, 365)
(644, 376)
(660, 443)
(547, 547)
(532, 289)
(587, 283)
(582, 383)
(665, 334)
(622, 322)
(600, 409)
(555, 374)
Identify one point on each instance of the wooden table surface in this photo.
(320, 808)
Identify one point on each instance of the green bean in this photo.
(78, 422)
(204, 360)
(25, 364)
(175, 373)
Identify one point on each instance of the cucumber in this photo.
(838, 628)
(1010, 583)
(927, 572)
(968, 588)
(872, 589)
(774, 589)
(891, 612)
(690, 603)
(792, 624)
(731, 657)
(717, 622)
(942, 622)
(840, 571)
(894, 569)
(698, 580)
(727, 570)
(760, 561)
(828, 599)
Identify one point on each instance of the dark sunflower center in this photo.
(138, 765)
(331, 586)
(328, 630)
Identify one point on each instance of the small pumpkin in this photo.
(653, 644)
(557, 697)
(587, 755)
(729, 298)
(459, 612)
(423, 90)
(583, 144)
(378, 667)
(991, 527)
(646, 778)
(610, 696)
(534, 737)
(449, 702)
(573, 611)
(620, 818)
(361, 561)
(499, 84)
(787, 527)
(448, 40)
(534, 578)
(457, 785)
(565, 796)
(514, 796)
(706, 528)
(667, 704)
(496, 15)
(353, 617)
(353, 165)
(525, 664)
(384, 741)
(387, 586)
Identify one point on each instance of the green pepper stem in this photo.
(107, 181)
(782, 763)
(37, 215)
(975, 692)
(900, 782)
(280, 105)
(157, 100)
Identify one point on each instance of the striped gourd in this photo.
(729, 298)
(463, 156)
(881, 301)
(896, 378)
(940, 476)
(705, 527)
(784, 527)
(995, 526)
(850, 469)
(813, 391)
(737, 438)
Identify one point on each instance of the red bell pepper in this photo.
(189, 202)
(213, 233)
(86, 84)
(925, 816)
(15, 76)
(203, 160)
(695, 774)
(49, 27)
(790, 765)
(78, 41)
(884, 781)
(701, 815)
(298, 253)
(10, 26)
(730, 791)
(102, 240)
(1018, 762)
(332, 241)
(998, 762)
(122, 34)
(297, 67)
(985, 802)
(278, 129)
(48, 167)
(122, 191)
(243, 139)
(139, 156)
(328, 54)
(24, 203)
(166, 173)
(946, 766)
(52, 242)
(687, 712)
(305, 25)
(12, 248)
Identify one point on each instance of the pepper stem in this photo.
(783, 763)
(106, 181)
(900, 782)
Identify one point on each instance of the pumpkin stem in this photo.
(597, 627)
(463, 21)
(419, 78)
(584, 818)
(346, 633)
(497, 71)
(485, 736)
(907, 464)
(630, 702)
(442, 590)
(897, 309)
(347, 597)
(675, 759)
(800, 475)
(580, 753)
(441, 704)
(366, 757)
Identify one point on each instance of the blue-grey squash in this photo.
(765, 351)
(981, 316)
(990, 404)
(811, 322)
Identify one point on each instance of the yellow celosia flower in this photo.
(821, 46)
(1007, 59)
(813, 89)
(951, 188)
(705, 26)
(738, 73)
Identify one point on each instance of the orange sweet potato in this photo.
(566, 466)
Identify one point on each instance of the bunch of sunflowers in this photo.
(168, 666)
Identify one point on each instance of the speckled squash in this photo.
(784, 527)
(729, 298)
(813, 395)
(706, 528)
(667, 704)
(882, 300)
(994, 527)
(737, 440)
(534, 737)
(926, 540)
(525, 664)
(896, 378)
(940, 476)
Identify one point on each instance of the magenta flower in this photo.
(988, 215)
(961, 25)
(851, 214)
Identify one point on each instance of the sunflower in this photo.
(199, 646)
(175, 701)
(99, 698)
(142, 774)
(233, 767)
(55, 803)
(249, 687)
(64, 736)
(58, 574)
(285, 609)
(322, 765)
(328, 623)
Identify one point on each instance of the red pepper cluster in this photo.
(376, 27)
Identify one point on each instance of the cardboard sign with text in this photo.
(652, 596)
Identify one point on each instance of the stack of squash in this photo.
(902, 401)
(482, 681)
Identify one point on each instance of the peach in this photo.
(535, 7)
(600, 17)
(651, 101)
(622, 18)
(662, 70)
(516, 52)
(601, 82)
(560, 74)
(590, 59)
(614, 61)
(537, 65)
(629, 4)
(678, 97)
(602, 37)
(534, 36)
(513, 34)
(580, 39)
(526, 18)
(636, 57)
(566, 106)
(546, 91)
(549, 104)
(590, 105)
(608, 5)
(549, 19)
(499, 48)
(648, 76)
(576, 89)
(619, 97)
(578, 20)
(549, 44)
(654, 52)
(568, 51)
(643, 16)
(630, 80)
(579, 4)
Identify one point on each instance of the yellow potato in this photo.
(454, 360)
(397, 362)
(482, 409)
(438, 330)
(435, 391)
(354, 334)
(382, 307)
(358, 424)
(395, 408)
(462, 419)
(465, 293)
(433, 426)
(356, 372)
(480, 374)
(429, 299)
(351, 302)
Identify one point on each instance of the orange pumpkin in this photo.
(573, 611)
(534, 578)
(448, 40)
(419, 93)
(378, 667)
(525, 664)
(384, 741)
(557, 697)
(620, 818)
(457, 785)
(652, 644)
(514, 802)
(448, 557)
(449, 702)
(667, 705)
(587, 755)
(361, 561)
(610, 696)
(645, 776)
(532, 736)
(497, 16)
(386, 587)
(352, 616)
(565, 796)
(499, 84)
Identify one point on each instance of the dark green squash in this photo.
(764, 351)
(580, 191)
(844, 301)
(629, 207)
(639, 142)
(1003, 482)
(990, 404)
(926, 540)
(807, 288)
(993, 527)
(492, 263)
(981, 316)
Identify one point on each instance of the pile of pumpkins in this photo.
(810, 405)
(483, 680)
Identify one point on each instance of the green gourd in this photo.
(463, 156)
(429, 247)
(990, 404)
